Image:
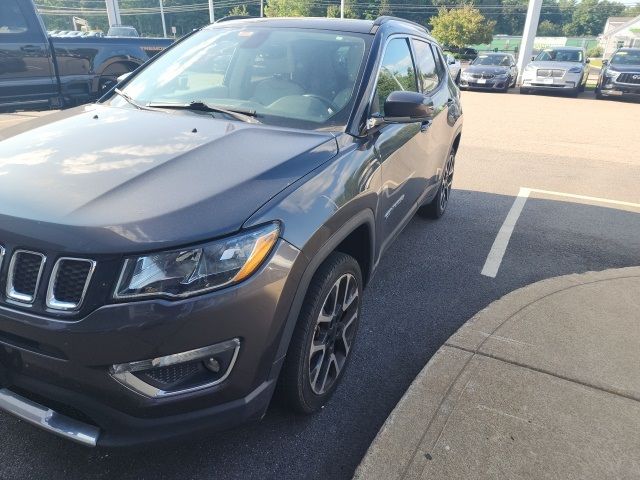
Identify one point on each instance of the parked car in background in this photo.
(490, 71)
(42, 71)
(454, 67)
(200, 239)
(126, 31)
(463, 53)
(561, 69)
(620, 76)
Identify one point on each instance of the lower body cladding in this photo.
(502, 84)
(146, 371)
(617, 90)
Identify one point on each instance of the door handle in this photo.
(31, 49)
(424, 126)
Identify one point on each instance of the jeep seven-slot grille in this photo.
(24, 275)
(66, 286)
(69, 283)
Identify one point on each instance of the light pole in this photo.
(113, 12)
(164, 25)
(341, 8)
(261, 8)
(212, 15)
(528, 36)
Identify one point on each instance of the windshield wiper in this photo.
(237, 113)
(131, 100)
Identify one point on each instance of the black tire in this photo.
(458, 77)
(524, 91)
(296, 387)
(437, 206)
(574, 92)
(599, 95)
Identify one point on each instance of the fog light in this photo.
(212, 364)
(181, 372)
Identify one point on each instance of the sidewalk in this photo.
(543, 383)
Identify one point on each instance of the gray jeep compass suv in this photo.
(200, 238)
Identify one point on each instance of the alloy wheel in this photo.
(334, 334)
(447, 181)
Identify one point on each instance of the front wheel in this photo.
(437, 207)
(524, 91)
(324, 335)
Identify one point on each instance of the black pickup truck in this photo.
(39, 71)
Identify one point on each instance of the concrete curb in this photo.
(425, 408)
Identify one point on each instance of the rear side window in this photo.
(397, 72)
(427, 66)
(12, 20)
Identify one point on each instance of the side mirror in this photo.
(605, 63)
(404, 107)
(588, 60)
(451, 60)
(533, 57)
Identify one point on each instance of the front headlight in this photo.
(190, 271)
(529, 68)
(612, 73)
(465, 74)
(575, 70)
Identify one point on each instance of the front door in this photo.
(26, 71)
(397, 145)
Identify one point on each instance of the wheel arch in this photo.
(345, 239)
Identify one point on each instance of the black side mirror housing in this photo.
(605, 63)
(404, 107)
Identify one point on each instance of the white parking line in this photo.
(499, 247)
(494, 259)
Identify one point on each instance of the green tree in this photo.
(590, 16)
(547, 28)
(333, 11)
(633, 11)
(463, 26)
(239, 10)
(288, 8)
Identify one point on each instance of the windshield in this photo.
(626, 57)
(494, 60)
(291, 77)
(560, 55)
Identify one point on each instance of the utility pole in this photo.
(164, 25)
(341, 8)
(261, 8)
(529, 35)
(113, 12)
(212, 15)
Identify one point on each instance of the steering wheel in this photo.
(330, 105)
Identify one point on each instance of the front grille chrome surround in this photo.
(16, 295)
(56, 304)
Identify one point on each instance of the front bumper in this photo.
(618, 90)
(66, 366)
(551, 84)
(488, 84)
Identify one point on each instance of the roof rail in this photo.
(388, 18)
(234, 17)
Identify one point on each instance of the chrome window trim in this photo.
(123, 373)
(67, 306)
(1, 255)
(17, 296)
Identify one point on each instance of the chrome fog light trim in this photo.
(124, 372)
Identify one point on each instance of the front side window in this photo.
(427, 66)
(560, 55)
(397, 72)
(285, 76)
(12, 20)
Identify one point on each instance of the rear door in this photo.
(434, 140)
(398, 145)
(26, 71)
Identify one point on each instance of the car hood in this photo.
(556, 65)
(624, 68)
(487, 69)
(121, 178)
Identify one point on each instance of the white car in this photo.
(454, 68)
(557, 69)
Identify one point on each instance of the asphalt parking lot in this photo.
(544, 186)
